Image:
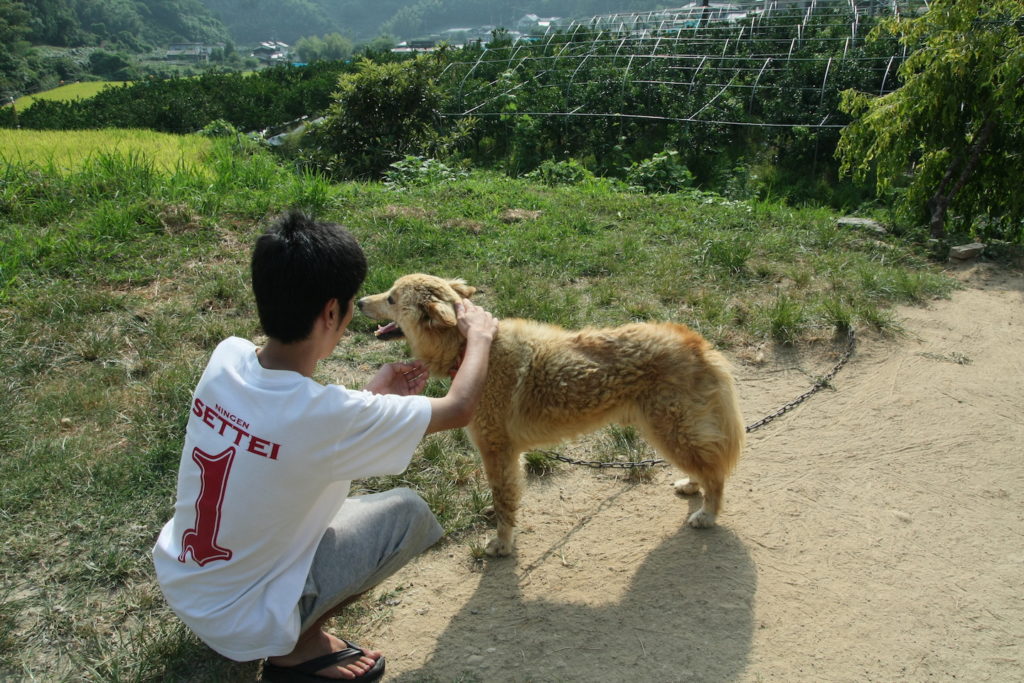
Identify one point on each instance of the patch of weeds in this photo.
(222, 288)
(801, 277)
(415, 170)
(568, 172)
(917, 286)
(838, 313)
(441, 454)
(312, 193)
(640, 474)
(477, 552)
(481, 503)
(889, 284)
(786, 319)
(437, 388)
(624, 444)
(730, 255)
(643, 311)
(96, 344)
(165, 651)
(881, 319)
(764, 271)
(539, 464)
(712, 315)
(10, 608)
(625, 440)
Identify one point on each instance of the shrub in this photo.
(568, 172)
(414, 170)
(218, 128)
(663, 172)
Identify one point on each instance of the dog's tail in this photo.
(733, 431)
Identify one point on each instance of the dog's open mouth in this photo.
(389, 331)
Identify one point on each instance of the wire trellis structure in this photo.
(769, 64)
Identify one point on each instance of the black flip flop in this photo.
(306, 672)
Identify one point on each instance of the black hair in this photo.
(298, 265)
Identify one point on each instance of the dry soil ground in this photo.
(876, 533)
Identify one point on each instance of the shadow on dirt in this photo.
(692, 595)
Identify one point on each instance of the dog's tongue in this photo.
(385, 330)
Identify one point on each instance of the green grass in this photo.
(66, 151)
(66, 93)
(120, 272)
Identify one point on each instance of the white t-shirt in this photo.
(268, 459)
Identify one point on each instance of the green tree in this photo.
(337, 46)
(950, 136)
(13, 48)
(310, 49)
(13, 23)
(110, 66)
(331, 46)
(54, 23)
(381, 114)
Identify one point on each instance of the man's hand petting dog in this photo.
(474, 320)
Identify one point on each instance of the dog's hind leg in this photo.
(687, 486)
(713, 486)
(707, 465)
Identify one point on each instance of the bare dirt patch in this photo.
(518, 215)
(875, 533)
(393, 211)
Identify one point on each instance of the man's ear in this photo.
(440, 313)
(331, 312)
(461, 288)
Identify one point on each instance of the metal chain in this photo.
(819, 384)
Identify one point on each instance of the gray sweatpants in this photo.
(370, 538)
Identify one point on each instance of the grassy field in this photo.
(72, 91)
(65, 151)
(118, 276)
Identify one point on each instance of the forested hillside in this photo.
(255, 20)
(134, 24)
(46, 41)
(426, 16)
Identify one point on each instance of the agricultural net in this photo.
(766, 64)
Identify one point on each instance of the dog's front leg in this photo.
(501, 464)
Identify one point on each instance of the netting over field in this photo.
(774, 63)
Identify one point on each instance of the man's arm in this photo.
(457, 407)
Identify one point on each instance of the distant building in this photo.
(272, 51)
(458, 36)
(531, 23)
(192, 52)
(419, 45)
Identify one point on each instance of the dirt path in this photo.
(876, 533)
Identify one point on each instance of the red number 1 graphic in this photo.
(201, 540)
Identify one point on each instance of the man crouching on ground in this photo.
(264, 545)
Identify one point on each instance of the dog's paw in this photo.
(686, 486)
(499, 548)
(701, 519)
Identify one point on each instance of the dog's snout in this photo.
(360, 303)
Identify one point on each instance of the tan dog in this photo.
(546, 384)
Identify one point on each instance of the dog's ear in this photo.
(440, 312)
(461, 288)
